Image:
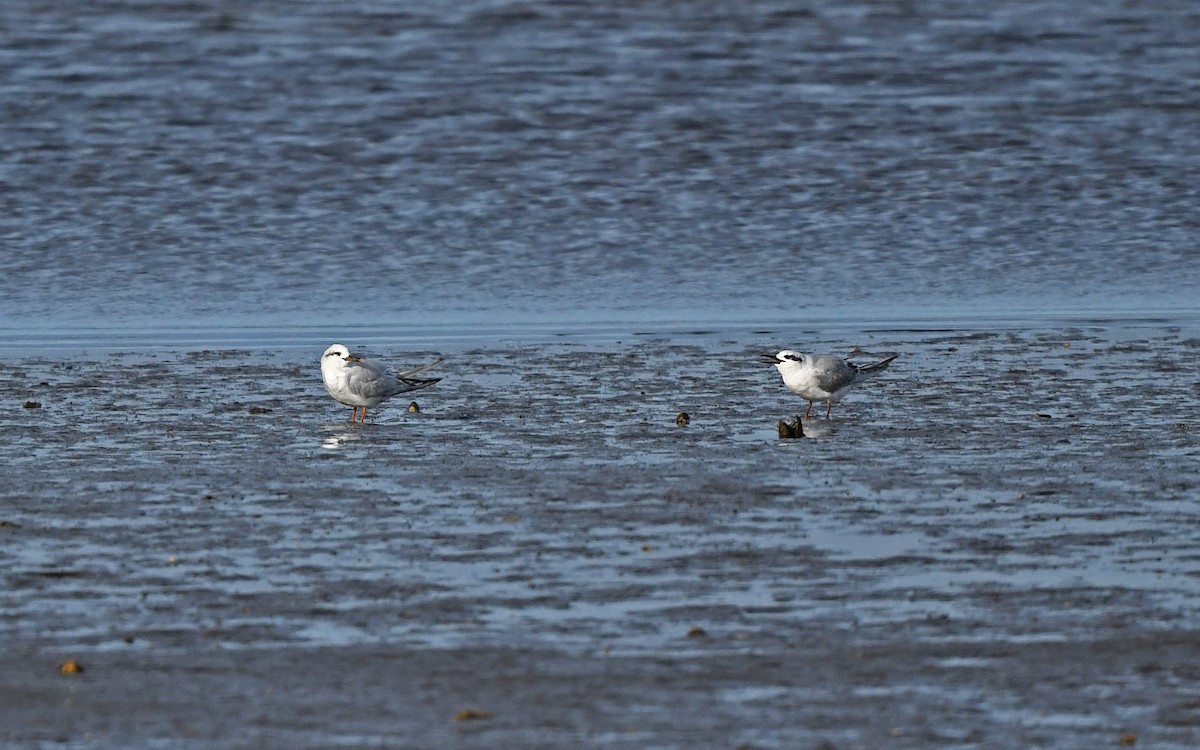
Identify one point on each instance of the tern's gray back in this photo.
(369, 380)
(832, 373)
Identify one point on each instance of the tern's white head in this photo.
(337, 355)
(785, 360)
(337, 350)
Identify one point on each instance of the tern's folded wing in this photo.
(832, 374)
(366, 381)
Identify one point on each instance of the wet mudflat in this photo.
(993, 544)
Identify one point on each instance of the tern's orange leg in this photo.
(364, 416)
(828, 408)
(808, 412)
(354, 415)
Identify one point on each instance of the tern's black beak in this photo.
(352, 358)
(769, 359)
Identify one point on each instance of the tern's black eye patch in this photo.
(794, 357)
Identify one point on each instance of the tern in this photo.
(821, 377)
(360, 383)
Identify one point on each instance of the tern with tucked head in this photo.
(821, 377)
(360, 383)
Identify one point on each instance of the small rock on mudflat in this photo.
(70, 666)
(791, 428)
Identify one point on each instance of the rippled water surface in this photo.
(601, 214)
(390, 163)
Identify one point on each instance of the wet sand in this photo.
(990, 545)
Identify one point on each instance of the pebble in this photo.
(791, 428)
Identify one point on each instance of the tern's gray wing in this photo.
(367, 379)
(831, 373)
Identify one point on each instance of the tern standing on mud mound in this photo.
(822, 377)
(359, 382)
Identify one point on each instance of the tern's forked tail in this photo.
(866, 371)
(415, 384)
(420, 369)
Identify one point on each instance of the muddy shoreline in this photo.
(989, 545)
(816, 689)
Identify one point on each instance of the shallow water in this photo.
(188, 164)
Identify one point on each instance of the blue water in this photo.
(182, 166)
